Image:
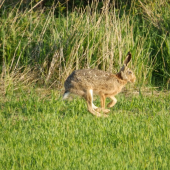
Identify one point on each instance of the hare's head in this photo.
(125, 72)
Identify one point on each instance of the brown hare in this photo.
(86, 81)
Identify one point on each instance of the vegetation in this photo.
(40, 131)
(37, 44)
(40, 47)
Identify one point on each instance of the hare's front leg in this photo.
(113, 102)
(102, 100)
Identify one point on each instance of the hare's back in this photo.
(90, 75)
(87, 77)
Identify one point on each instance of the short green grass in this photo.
(40, 131)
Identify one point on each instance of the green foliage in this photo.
(156, 15)
(87, 38)
(40, 131)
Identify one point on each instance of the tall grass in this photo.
(157, 14)
(48, 48)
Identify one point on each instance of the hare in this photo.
(86, 81)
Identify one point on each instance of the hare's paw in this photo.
(94, 112)
(106, 110)
(98, 109)
(102, 110)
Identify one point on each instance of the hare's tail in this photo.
(65, 95)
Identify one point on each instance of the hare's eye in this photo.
(129, 72)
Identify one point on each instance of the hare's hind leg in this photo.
(93, 106)
(97, 108)
(113, 102)
(89, 98)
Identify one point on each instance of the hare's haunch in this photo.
(85, 82)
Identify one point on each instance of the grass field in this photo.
(40, 131)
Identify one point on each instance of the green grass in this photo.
(40, 131)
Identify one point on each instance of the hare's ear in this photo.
(128, 58)
(123, 68)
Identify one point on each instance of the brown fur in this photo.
(84, 82)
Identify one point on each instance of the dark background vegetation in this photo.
(69, 4)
